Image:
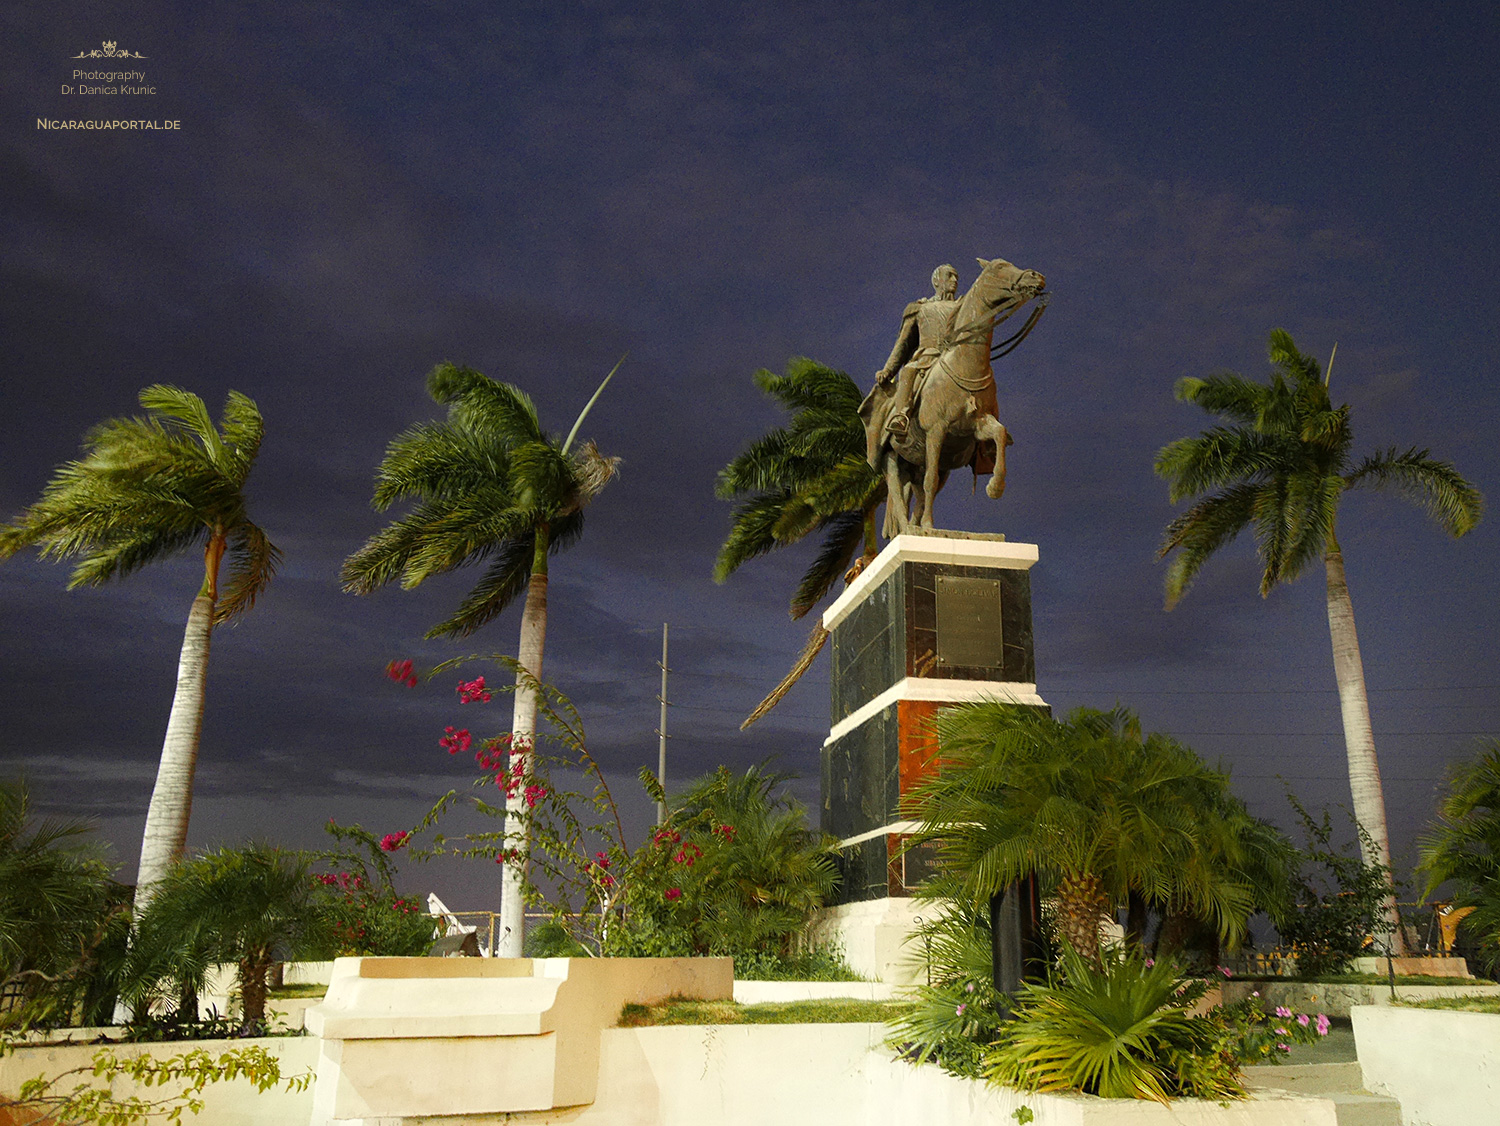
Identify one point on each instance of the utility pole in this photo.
(661, 746)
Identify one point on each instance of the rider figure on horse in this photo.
(925, 327)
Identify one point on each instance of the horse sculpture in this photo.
(955, 421)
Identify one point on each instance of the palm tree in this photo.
(147, 488)
(1086, 803)
(808, 476)
(1280, 464)
(250, 906)
(490, 485)
(774, 871)
(1464, 844)
(59, 911)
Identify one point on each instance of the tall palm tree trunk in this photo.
(1359, 739)
(172, 798)
(523, 734)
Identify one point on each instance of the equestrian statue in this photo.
(933, 407)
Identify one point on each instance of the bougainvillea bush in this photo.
(733, 869)
(359, 910)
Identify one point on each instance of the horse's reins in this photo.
(970, 331)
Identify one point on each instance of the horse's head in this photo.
(1000, 277)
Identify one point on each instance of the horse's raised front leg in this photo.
(935, 435)
(990, 429)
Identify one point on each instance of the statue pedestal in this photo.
(934, 620)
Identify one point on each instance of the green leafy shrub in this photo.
(1120, 1029)
(1257, 1036)
(1338, 900)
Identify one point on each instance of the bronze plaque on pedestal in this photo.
(968, 622)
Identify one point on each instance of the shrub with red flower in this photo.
(392, 841)
(673, 894)
(402, 672)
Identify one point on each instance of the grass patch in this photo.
(1456, 1004)
(832, 1010)
(1365, 979)
(309, 990)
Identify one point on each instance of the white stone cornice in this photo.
(964, 551)
(937, 690)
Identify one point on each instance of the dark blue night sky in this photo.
(360, 191)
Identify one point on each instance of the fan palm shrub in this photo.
(251, 906)
(145, 489)
(1119, 1027)
(1279, 463)
(809, 476)
(490, 486)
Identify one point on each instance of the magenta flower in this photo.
(674, 893)
(1322, 1025)
(402, 672)
(392, 841)
(1283, 1012)
(1302, 1019)
(960, 1010)
(533, 795)
(455, 740)
(1225, 971)
(473, 691)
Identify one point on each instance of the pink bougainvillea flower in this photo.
(392, 841)
(602, 859)
(674, 893)
(1323, 1024)
(607, 880)
(533, 795)
(455, 740)
(473, 691)
(402, 673)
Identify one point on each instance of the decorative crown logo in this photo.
(109, 52)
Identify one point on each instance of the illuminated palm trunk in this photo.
(512, 931)
(1365, 790)
(172, 798)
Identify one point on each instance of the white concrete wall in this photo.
(873, 936)
(842, 1075)
(232, 1103)
(1443, 1067)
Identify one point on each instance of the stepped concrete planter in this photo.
(1443, 1066)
